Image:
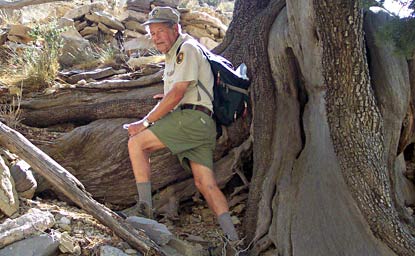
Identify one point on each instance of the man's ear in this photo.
(176, 28)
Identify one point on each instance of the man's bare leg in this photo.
(139, 148)
(206, 183)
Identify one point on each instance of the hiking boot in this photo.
(140, 209)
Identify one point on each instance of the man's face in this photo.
(163, 36)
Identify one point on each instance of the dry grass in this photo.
(34, 66)
(103, 55)
(10, 113)
(9, 17)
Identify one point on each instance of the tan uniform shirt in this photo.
(189, 65)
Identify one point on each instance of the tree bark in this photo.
(322, 163)
(352, 110)
(84, 106)
(97, 155)
(73, 189)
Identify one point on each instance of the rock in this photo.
(171, 3)
(78, 12)
(235, 220)
(106, 30)
(80, 25)
(213, 31)
(43, 245)
(89, 31)
(107, 250)
(139, 5)
(156, 231)
(223, 17)
(9, 202)
(68, 244)
(25, 182)
(19, 33)
(196, 17)
(131, 252)
(3, 36)
(198, 32)
(185, 248)
(15, 39)
(135, 26)
(75, 48)
(139, 43)
(106, 19)
(30, 223)
(64, 220)
(66, 22)
(9, 156)
(208, 42)
(133, 34)
(133, 15)
(197, 239)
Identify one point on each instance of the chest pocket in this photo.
(170, 70)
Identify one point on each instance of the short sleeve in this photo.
(186, 64)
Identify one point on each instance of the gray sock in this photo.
(144, 193)
(225, 222)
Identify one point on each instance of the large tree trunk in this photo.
(325, 158)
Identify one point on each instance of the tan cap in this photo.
(163, 14)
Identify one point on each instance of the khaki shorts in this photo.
(189, 134)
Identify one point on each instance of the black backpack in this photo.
(230, 90)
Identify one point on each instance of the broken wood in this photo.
(66, 183)
(83, 106)
(122, 84)
(96, 74)
(105, 163)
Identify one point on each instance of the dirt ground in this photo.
(196, 225)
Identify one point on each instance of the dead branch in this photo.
(66, 183)
(122, 84)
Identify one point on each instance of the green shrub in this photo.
(35, 66)
(401, 32)
(41, 63)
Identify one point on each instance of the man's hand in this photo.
(135, 128)
(158, 96)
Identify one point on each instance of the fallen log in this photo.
(66, 183)
(83, 106)
(105, 162)
(122, 84)
(96, 74)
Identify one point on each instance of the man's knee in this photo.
(205, 184)
(136, 143)
(198, 184)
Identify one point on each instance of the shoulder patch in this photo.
(180, 58)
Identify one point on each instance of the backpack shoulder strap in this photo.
(199, 83)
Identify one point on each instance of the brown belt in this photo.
(197, 107)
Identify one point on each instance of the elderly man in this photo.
(182, 121)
